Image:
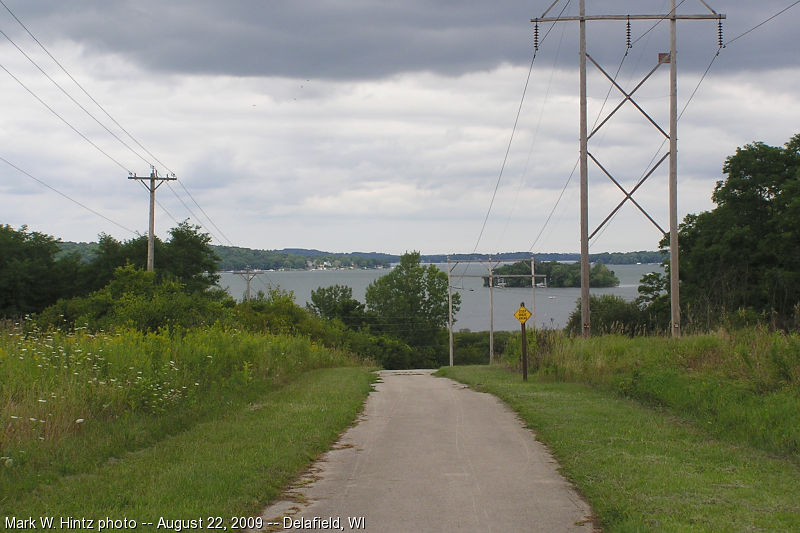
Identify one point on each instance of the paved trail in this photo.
(430, 455)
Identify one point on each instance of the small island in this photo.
(557, 275)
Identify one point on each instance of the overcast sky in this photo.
(363, 125)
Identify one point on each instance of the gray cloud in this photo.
(358, 39)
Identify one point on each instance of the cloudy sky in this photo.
(363, 125)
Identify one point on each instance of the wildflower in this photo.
(15, 417)
(42, 400)
(80, 421)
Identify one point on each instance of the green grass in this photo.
(742, 386)
(72, 401)
(643, 469)
(230, 465)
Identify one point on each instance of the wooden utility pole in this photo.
(247, 275)
(154, 182)
(451, 265)
(670, 58)
(450, 306)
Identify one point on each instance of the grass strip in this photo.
(226, 467)
(644, 470)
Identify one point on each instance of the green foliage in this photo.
(337, 302)
(71, 400)
(34, 275)
(609, 314)
(472, 347)
(236, 258)
(189, 258)
(742, 386)
(275, 312)
(135, 299)
(745, 253)
(558, 274)
(411, 304)
(31, 277)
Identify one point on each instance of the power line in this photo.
(103, 109)
(65, 121)
(64, 91)
(204, 212)
(776, 15)
(659, 21)
(533, 140)
(513, 131)
(575, 167)
(43, 183)
(75, 81)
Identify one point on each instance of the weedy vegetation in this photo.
(73, 402)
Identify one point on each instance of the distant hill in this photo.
(237, 258)
(607, 258)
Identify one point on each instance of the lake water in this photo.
(553, 306)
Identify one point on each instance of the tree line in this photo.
(34, 274)
(402, 325)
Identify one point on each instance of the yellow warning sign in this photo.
(522, 314)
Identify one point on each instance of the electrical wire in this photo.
(513, 131)
(64, 91)
(103, 109)
(776, 15)
(577, 162)
(533, 139)
(65, 121)
(664, 141)
(84, 206)
(659, 21)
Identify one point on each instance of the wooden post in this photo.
(524, 354)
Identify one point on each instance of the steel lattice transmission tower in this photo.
(672, 136)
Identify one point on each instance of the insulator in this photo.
(628, 34)
(536, 36)
(720, 40)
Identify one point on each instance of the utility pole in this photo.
(450, 306)
(491, 311)
(152, 186)
(451, 265)
(585, 136)
(248, 276)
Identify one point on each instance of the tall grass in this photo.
(71, 399)
(742, 385)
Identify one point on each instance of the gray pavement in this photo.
(431, 455)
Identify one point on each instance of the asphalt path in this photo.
(431, 455)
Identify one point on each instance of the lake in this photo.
(553, 306)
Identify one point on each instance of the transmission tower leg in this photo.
(584, 181)
(674, 264)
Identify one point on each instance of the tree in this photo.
(557, 274)
(745, 253)
(337, 302)
(411, 304)
(189, 258)
(610, 314)
(31, 277)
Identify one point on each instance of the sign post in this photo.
(523, 315)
